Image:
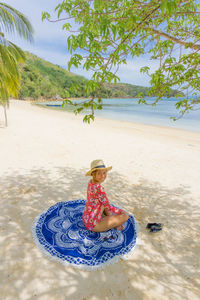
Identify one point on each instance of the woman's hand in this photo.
(107, 212)
(125, 213)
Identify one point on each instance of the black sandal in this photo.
(157, 225)
(155, 229)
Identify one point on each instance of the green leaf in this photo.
(97, 4)
(45, 16)
(163, 5)
(144, 70)
(66, 26)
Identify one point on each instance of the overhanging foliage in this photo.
(106, 33)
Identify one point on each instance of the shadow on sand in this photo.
(165, 265)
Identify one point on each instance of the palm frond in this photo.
(13, 21)
(10, 57)
(3, 40)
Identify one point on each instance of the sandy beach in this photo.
(44, 155)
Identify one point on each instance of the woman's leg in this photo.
(109, 222)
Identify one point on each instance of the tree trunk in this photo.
(5, 115)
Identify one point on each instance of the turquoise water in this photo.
(129, 110)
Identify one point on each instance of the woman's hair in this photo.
(93, 173)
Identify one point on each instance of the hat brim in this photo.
(89, 173)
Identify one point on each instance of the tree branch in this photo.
(59, 20)
(132, 30)
(175, 40)
(187, 12)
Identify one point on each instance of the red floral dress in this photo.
(95, 204)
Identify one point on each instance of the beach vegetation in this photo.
(44, 80)
(41, 79)
(103, 35)
(11, 21)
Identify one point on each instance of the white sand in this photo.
(43, 157)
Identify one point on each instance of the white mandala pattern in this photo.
(70, 233)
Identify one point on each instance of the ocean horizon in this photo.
(130, 111)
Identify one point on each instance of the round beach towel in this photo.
(60, 233)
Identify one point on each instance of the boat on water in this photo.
(55, 105)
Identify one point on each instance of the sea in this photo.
(130, 111)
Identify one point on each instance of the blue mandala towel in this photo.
(60, 232)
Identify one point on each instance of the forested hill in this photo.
(42, 79)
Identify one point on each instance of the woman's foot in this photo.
(120, 227)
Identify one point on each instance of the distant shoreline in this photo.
(133, 113)
(104, 119)
(82, 98)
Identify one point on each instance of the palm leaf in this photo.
(10, 56)
(13, 21)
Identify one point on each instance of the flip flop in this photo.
(157, 225)
(155, 229)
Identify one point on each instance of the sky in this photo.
(50, 42)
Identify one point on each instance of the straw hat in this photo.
(97, 164)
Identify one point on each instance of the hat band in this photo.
(102, 166)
